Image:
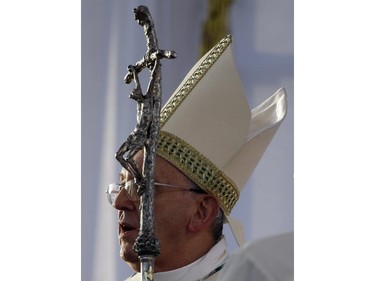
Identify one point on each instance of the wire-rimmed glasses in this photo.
(131, 189)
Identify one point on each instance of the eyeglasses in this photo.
(131, 189)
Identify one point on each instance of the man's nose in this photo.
(123, 202)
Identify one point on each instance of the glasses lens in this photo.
(131, 190)
(112, 191)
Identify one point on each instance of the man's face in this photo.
(172, 208)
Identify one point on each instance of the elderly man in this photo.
(210, 143)
(185, 222)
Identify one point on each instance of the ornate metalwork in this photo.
(145, 136)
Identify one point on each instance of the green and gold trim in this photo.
(193, 80)
(199, 169)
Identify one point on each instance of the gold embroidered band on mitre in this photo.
(193, 80)
(199, 169)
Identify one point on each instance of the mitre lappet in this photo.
(209, 132)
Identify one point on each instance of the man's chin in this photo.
(127, 253)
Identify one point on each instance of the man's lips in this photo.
(127, 229)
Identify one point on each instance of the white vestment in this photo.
(268, 259)
(204, 268)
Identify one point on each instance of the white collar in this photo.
(198, 269)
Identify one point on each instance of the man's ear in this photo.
(207, 208)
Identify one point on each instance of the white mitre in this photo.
(208, 130)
